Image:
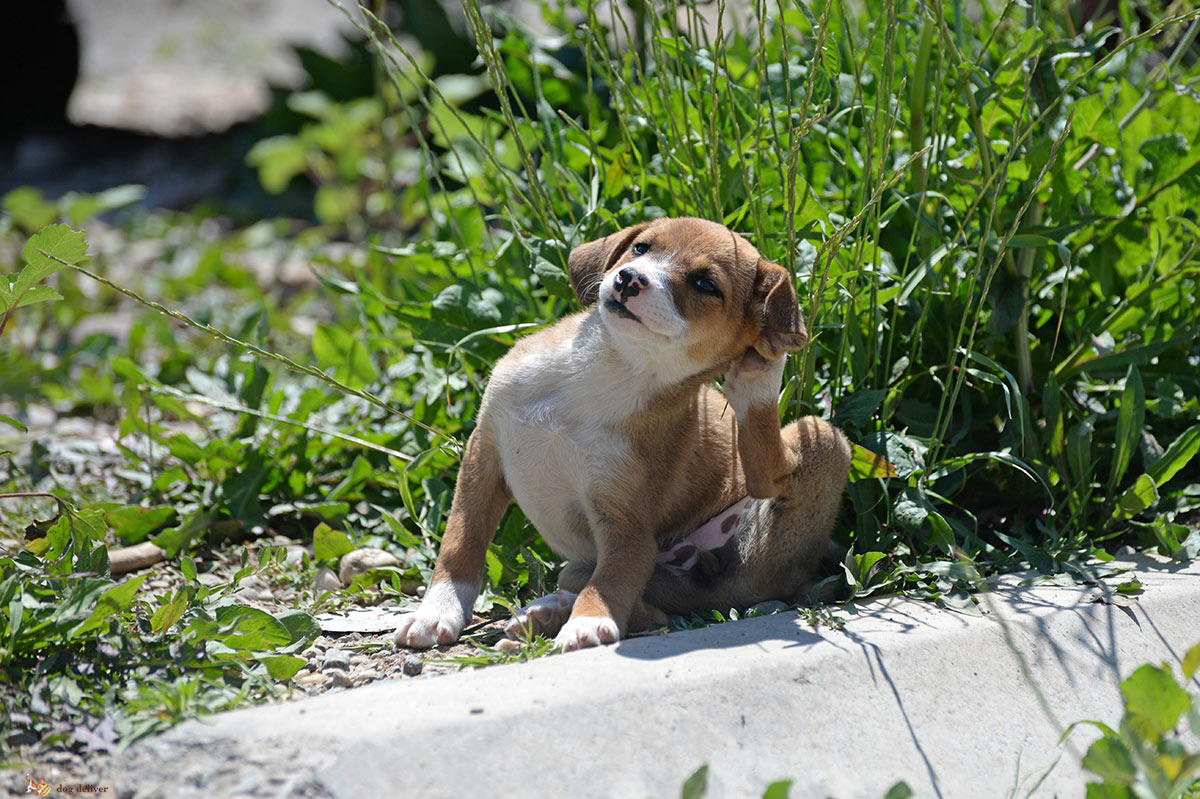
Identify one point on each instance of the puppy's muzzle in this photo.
(629, 282)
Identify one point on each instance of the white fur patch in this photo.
(440, 618)
(746, 388)
(543, 616)
(654, 305)
(582, 632)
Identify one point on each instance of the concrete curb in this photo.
(905, 691)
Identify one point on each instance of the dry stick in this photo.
(138, 556)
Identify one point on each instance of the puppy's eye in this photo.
(706, 285)
(640, 248)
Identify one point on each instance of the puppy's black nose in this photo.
(630, 282)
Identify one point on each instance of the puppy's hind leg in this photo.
(543, 616)
(547, 614)
(788, 535)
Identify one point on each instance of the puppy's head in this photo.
(690, 288)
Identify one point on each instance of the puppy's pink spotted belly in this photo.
(708, 537)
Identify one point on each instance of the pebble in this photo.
(770, 606)
(361, 561)
(336, 659)
(412, 665)
(326, 580)
(366, 676)
(341, 679)
(317, 680)
(508, 646)
(358, 660)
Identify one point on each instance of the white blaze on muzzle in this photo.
(642, 289)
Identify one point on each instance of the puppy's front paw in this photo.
(543, 616)
(421, 631)
(440, 619)
(752, 380)
(584, 631)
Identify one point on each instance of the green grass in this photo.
(990, 213)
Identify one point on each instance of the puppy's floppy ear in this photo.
(588, 262)
(778, 312)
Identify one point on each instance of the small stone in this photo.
(316, 680)
(508, 646)
(336, 659)
(326, 580)
(768, 607)
(312, 653)
(341, 679)
(361, 561)
(412, 665)
(365, 676)
(358, 660)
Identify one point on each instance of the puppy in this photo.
(663, 494)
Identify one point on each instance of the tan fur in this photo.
(659, 451)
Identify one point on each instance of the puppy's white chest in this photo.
(556, 441)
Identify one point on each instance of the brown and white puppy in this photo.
(663, 494)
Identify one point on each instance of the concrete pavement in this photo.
(955, 705)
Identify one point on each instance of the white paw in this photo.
(752, 381)
(440, 619)
(543, 616)
(421, 631)
(584, 631)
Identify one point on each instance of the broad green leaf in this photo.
(1109, 759)
(463, 306)
(941, 535)
(38, 294)
(29, 208)
(1130, 422)
(302, 627)
(1154, 702)
(1177, 456)
(495, 567)
(858, 408)
(79, 208)
(165, 617)
(132, 523)
(1079, 448)
(179, 537)
(780, 790)
(40, 254)
(278, 159)
(283, 667)
(899, 791)
(330, 544)
(1094, 120)
(112, 602)
(251, 629)
(1141, 495)
(865, 464)
(1191, 662)
(552, 278)
(337, 349)
(696, 786)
